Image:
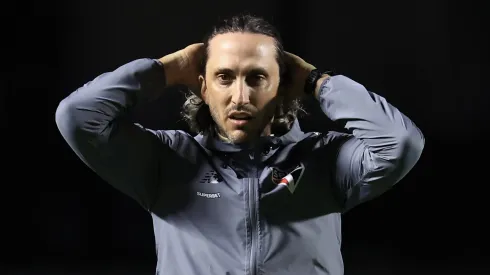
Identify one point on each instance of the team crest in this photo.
(289, 178)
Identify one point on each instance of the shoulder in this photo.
(172, 138)
(335, 138)
(329, 139)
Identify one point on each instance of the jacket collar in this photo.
(210, 142)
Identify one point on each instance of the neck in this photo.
(266, 132)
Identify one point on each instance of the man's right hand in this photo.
(182, 67)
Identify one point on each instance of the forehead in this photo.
(233, 50)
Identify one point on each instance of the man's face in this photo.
(241, 84)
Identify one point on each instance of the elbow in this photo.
(64, 117)
(82, 118)
(74, 122)
(398, 159)
(410, 147)
(413, 142)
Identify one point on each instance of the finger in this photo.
(196, 45)
(196, 49)
(291, 56)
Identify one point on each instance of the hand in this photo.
(298, 71)
(182, 67)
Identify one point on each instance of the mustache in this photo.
(242, 108)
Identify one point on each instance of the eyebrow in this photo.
(255, 70)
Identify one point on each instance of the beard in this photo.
(245, 134)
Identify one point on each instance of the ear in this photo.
(281, 90)
(282, 95)
(202, 84)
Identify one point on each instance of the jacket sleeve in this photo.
(94, 122)
(382, 146)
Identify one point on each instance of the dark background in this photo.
(430, 59)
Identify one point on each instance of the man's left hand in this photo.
(298, 71)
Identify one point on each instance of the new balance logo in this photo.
(211, 177)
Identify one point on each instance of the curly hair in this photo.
(197, 114)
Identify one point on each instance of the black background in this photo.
(430, 59)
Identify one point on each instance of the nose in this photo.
(241, 93)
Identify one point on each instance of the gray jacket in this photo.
(218, 208)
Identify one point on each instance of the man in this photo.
(251, 193)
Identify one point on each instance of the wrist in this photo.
(319, 83)
(171, 67)
(312, 81)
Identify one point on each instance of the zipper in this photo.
(253, 227)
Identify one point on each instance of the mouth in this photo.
(240, 118)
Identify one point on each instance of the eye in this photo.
(256, 79)
(224, 78)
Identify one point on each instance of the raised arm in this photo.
(384, 144)
(94, 121)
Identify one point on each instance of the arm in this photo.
(384, 144)
(94, 122)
